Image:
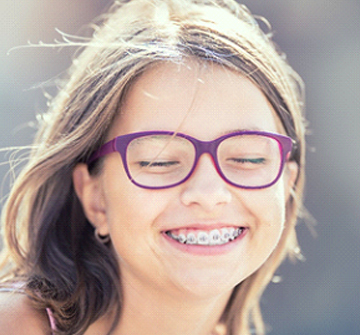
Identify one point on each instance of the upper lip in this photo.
(204, 226)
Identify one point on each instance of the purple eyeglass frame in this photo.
(120, 143)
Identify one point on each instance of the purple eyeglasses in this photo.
(163, 159)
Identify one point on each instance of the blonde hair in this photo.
(48, 241)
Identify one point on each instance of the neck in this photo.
(151, 312)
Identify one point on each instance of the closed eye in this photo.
(158, 164)
(248, 160)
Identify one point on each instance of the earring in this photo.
(101, 238)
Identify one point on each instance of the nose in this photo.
(205, 188)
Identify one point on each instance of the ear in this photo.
(89, 191)
(291, 173)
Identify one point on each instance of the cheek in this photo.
(131, 210)
(126, 203)
(267, 206)
(274, 205)
(132, 213)
(267, 210)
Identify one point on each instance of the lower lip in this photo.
(206, 250)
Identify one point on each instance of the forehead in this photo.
(201, 99)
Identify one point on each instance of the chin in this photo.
(207, 285)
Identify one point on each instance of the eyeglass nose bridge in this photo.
(206, 147)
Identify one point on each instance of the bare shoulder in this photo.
(18, 317)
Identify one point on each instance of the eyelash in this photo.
(249, 160)
(157, 164)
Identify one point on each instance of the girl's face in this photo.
(204, 102)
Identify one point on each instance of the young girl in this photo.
(164, 184)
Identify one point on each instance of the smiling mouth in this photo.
(206, 238)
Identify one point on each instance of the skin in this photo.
(167, 290)
(19, 317)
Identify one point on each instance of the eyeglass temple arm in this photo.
(293, 148)
(107, 148)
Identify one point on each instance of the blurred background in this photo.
(321, 40)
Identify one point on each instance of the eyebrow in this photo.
(241, 129)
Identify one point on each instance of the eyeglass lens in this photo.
(164, 160)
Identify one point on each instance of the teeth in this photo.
(232, 233)
(203, 238)
(191, 239)
(225, 235)
(214, 237)
(181, 238)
